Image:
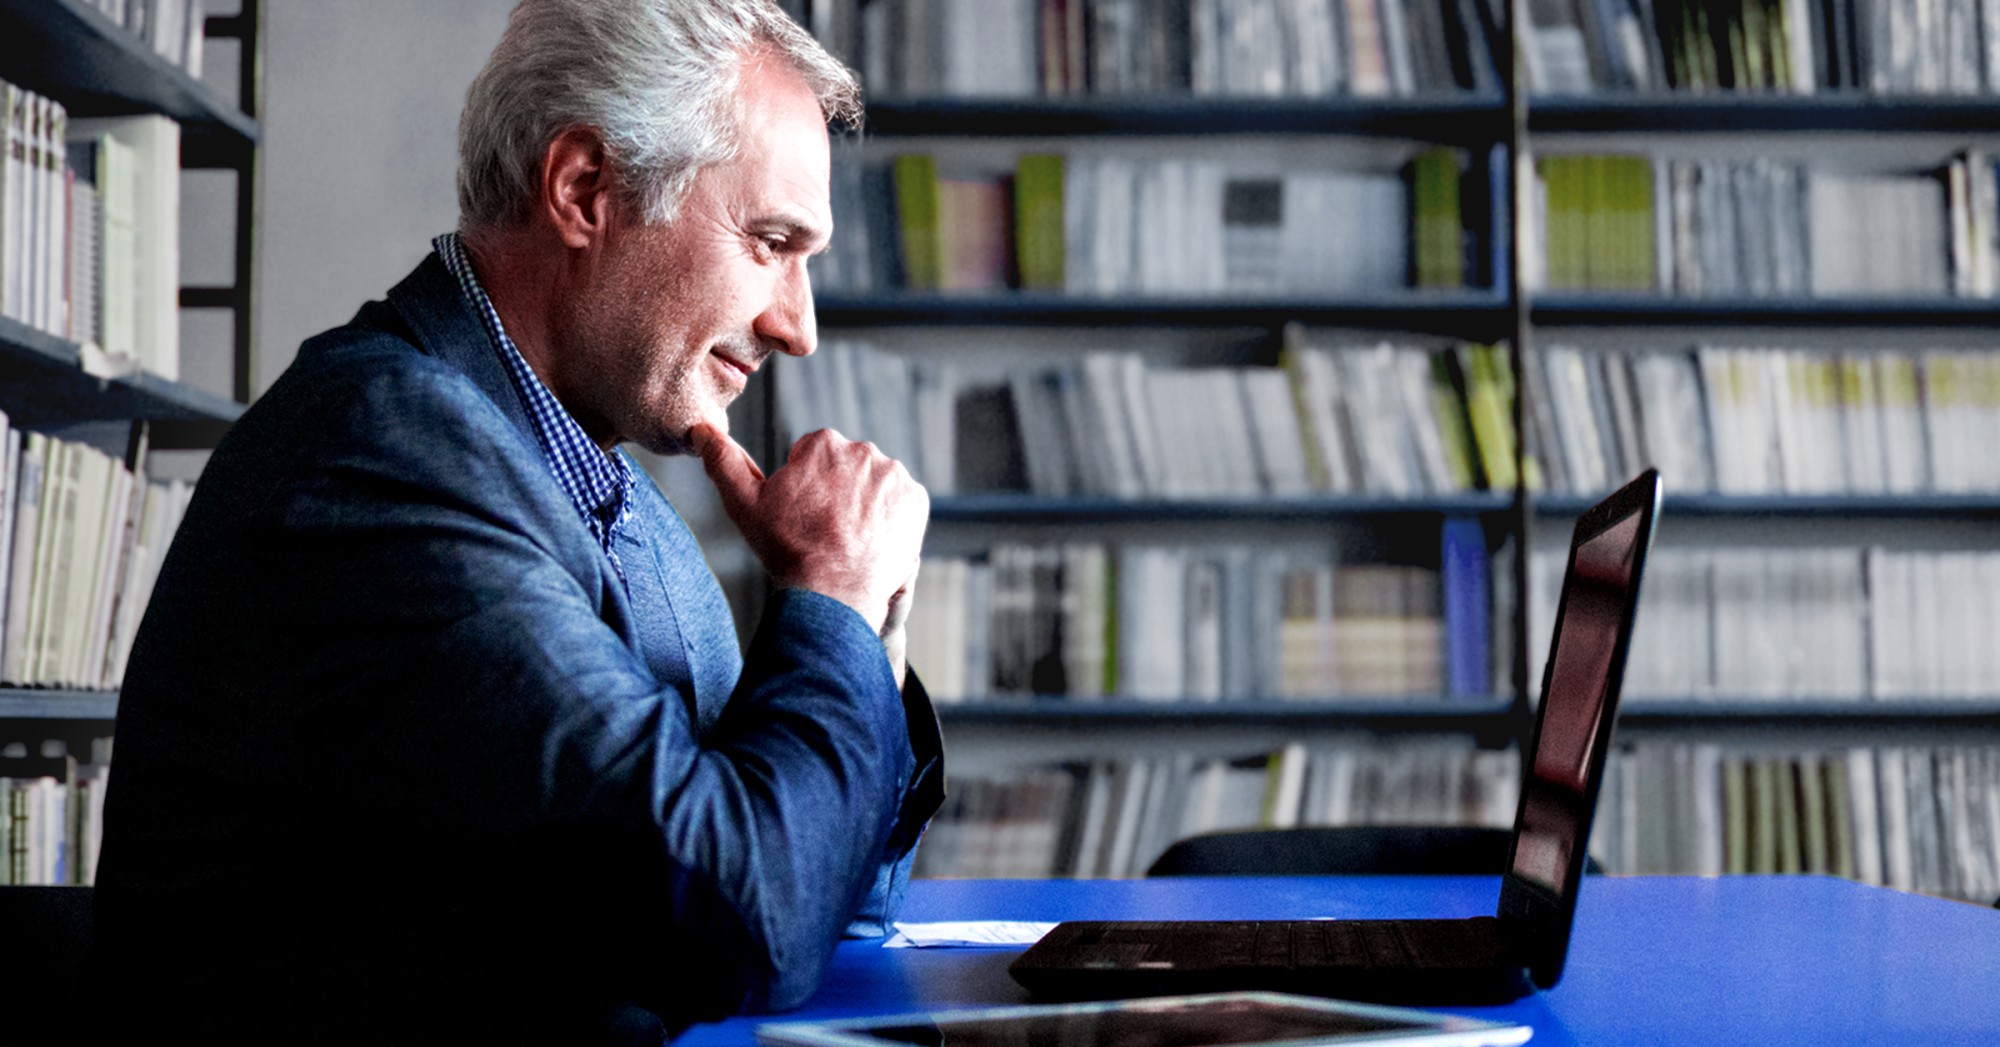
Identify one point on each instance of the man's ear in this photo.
(576, 187)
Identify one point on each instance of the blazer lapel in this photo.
(430, 302)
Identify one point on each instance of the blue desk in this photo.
(1655, 960)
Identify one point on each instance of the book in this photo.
(1465, 580)
(1038, 211)
(139, 178)
(1439, 248)
(975, 234)
(919, 212)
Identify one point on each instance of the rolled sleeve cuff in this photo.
(921, 800)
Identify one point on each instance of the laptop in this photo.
(1481, 960)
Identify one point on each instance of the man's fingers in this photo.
(729, 466)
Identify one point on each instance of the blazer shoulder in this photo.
(363, 400)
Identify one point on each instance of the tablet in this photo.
(1212, 1020)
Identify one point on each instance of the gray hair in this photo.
(657, 78)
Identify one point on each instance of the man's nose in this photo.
(789, 325)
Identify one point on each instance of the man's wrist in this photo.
(854, 598)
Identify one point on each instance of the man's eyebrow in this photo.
(796, 231)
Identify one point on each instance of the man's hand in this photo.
(840, 518)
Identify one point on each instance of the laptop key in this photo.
(1274, 945)
(1309, 944)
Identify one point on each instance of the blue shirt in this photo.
(598, 484)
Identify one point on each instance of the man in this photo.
(437, 728)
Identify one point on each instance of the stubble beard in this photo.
(682, 392)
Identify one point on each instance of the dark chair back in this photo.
(1342, 850)
(46, 933)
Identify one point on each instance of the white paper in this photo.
(966, 933)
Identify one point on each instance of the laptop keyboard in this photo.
(1280, 944)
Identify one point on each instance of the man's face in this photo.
(677, 316)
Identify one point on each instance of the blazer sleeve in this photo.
(877, 915)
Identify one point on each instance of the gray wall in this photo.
(360, 124)
(362, 99)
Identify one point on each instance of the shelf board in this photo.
(24, 346)
(1732, 112)
(1871, 713)
(69, 51)
(42, 384)
(1468, 714)
(1614, 309)
(1028, 508)
(1463, 117)
(1474, 313)
(19, 703)
(1925, 506)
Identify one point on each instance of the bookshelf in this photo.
(32, 704)
(1483, 719)
(74, 54)
(1473, 314)
(1860, 773)
(1497, 304)
(1467, 118)
(71, 50)
(1027, 509)
(1230, 328)
(1850, 111)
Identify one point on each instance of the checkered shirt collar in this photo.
(599, 484)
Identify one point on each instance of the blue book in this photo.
(1467, 580)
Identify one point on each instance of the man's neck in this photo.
(523, 282)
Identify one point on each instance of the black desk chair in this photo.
(1343, 850)
(47, 932)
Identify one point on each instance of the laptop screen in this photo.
(1579, 698)
(1554, 822)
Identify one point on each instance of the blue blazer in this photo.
(400, 758)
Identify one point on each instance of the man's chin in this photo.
(677, 440)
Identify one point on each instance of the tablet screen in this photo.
(1199, 1021)
(1185, 1025)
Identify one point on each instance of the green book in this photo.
(1038, 221)
(1735, 816)
(1565, 268)
(1454, 427)
(1111, 625)
(1318, 472)
(1747, 38)
(1490, 410)
(1812, 817)
(1645, 250)
(1702, 45)
(1839, 812)
(917, 215)
(1435, 187)
(1780, 45)
(1600, 223)
(1785, 772)
(1745, 66)
(1763, 817)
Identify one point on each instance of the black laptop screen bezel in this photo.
(1538, 921)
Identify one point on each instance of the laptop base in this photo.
(1462, 962)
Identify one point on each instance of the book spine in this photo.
(918, 216)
